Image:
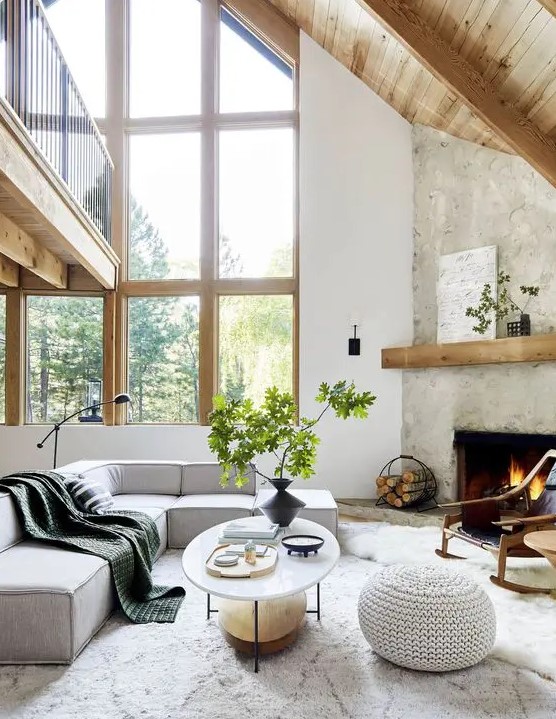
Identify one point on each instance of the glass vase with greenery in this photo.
(241, 432)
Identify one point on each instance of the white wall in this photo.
(356, 187)
(18, 445)
(356, 249)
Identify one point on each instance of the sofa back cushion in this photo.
(151, 477)
(204, 478)
(132, 477)
(11, 531)
(143, 477)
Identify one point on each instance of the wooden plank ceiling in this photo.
(510, 43)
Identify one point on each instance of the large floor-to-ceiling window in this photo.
(208, 138)
(199, 111)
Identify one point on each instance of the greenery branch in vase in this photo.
(501, 307)
(241, 432)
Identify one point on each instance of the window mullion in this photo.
(209, 175)
(116, 110)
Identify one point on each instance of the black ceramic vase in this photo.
(520, 328)
(282, 507)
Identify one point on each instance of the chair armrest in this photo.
(467, 502)
(514, 522)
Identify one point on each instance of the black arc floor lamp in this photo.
(118, 399)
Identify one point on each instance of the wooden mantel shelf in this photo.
(536, 348)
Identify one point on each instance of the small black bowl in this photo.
(303, 544)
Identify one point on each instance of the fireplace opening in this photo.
(490, 463)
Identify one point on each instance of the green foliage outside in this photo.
(502, 306)
(255, 345)
(163, 359)
(65, 343)
(64, 351)
(240, 431)
(163, 356)
(255, 337)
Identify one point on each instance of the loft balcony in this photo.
(55, 172)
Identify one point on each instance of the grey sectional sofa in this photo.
(53, 601)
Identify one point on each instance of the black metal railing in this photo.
(42, 92)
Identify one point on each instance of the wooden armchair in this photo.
(485, 524)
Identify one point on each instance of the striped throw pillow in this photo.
(88, 495)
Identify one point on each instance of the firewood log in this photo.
(391, 498)
(415, 475)
(403, 487)
(407, 497)
(393, 480)
(381, 481)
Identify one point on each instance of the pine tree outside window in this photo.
(199, 111)
(211, 226)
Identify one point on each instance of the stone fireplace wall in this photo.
(468, 196)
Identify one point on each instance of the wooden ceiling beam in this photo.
(550, 5)
(466, 83)
(9, 272)
(20, 247)
(79, 280)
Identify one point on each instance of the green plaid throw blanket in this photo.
(127, 540)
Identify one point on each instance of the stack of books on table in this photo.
(260, 531)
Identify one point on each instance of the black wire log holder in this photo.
(419, 491)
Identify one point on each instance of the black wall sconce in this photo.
(354, 343)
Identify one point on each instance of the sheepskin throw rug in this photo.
(526, 623)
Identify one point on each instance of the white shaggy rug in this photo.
(526, 623)
(186, 670)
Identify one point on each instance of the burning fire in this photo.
(517, 475)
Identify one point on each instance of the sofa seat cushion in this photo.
(191, 515)
(138, 501)
(52, 601)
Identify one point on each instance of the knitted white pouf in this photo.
(427, 618)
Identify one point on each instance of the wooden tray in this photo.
(264, 565)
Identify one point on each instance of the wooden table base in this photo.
(280, 621)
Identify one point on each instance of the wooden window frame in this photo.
(16, 344)
(283, 38)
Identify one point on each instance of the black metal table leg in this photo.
(256, 636)
(209, 610)
(317, 610)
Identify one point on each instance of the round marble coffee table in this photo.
(263, 614)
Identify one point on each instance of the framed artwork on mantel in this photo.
(461, 278)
